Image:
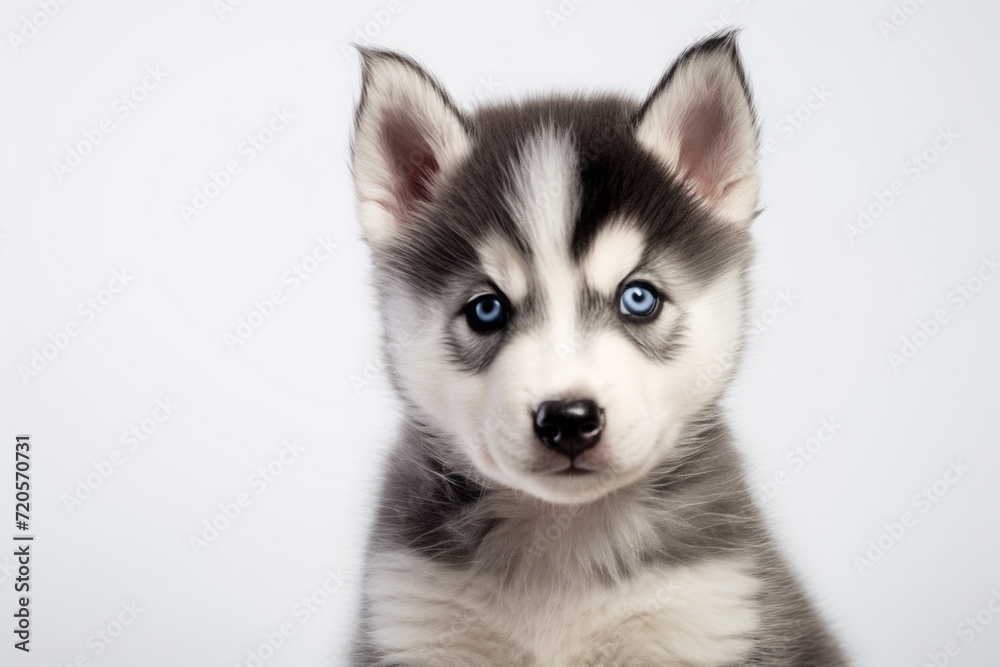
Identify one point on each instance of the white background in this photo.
(887, 96)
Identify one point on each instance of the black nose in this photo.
(569, 427)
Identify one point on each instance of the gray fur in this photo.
(700, 502)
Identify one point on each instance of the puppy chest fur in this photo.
(703, 613)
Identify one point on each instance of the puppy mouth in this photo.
(571, 469)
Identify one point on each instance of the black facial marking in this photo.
(437, 252)
(617, 178)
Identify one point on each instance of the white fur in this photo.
(505, 266)
(396, 90)
(546, 202)
(701, 127)
(646, 403)
(699, 614)
(616, 251)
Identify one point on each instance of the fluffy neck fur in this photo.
(692, 505)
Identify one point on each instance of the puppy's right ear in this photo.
(700, 123)
(408, 134)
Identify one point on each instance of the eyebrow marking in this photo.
(505, 267)
(615, 252)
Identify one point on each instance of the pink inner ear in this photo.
(702, 158)
(414, 166)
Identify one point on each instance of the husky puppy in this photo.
(560, 281)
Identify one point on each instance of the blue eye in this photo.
(486, 313)
(639, 300)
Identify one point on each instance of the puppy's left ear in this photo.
(699, 122)
(408, 134)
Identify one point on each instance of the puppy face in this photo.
(565, 270)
